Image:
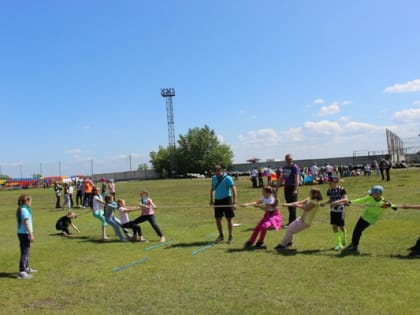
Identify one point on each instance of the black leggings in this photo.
(152, 221)
(361, 225)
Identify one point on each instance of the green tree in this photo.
(142, 167)
(160, 161)
(198, 151)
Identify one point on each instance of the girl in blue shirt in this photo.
(25, 235)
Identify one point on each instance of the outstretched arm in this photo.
(298, 204)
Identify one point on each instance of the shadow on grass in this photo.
(246, 249)
(73, 236)
(404, 257)
(343, 255)
(192, 244)
(293, 252)
(12, 275)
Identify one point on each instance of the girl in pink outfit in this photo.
(147, 214)
(272, 217)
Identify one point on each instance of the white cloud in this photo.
(261, 136)
(323, 127)
(319, 101)
(74, 151)
(329, 110)
(408, 115)
(293, 135)
(416, 103)
(410, 86)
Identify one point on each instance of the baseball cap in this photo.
(377, 189)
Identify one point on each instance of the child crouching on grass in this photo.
(64, 222)
(272, 217)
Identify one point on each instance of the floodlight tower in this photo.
(168, 94)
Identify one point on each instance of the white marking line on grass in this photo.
(140, 261)
(202, 249)
(159, 245)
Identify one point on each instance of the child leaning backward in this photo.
(110, 207)
(310, 207)
(148, 214)
(374, 205)
(126, 223)
(272, 217)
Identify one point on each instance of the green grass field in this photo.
(77, 276)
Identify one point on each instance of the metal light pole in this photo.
(168, 94)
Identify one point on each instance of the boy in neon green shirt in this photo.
(374, 205)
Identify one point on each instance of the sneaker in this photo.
(338, 248)
(248, 244)
(259, 245)
(289, 244)
(30, 270)
(230, 240)
(351, 250)
(162, 239)
(142, 239)
(219, 239)
(24, 275)
(279, 247)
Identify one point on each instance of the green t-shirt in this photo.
(373, 208)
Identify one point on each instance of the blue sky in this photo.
(80, 80)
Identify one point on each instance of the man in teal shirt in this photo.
(223, 196)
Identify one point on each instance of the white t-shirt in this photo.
(96, 205)
(124, 218)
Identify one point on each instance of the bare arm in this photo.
(234, 195)
(75, 227)
(28, 228)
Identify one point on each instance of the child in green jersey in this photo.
(374, 205)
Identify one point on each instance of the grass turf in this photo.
(77, 276)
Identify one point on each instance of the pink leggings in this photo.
(268, 220)
(296, 226)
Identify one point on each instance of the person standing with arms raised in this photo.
(290, 175)
(223, 196)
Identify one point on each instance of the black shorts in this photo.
(223, 211)
(337, 218)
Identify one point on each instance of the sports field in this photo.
(188, 275)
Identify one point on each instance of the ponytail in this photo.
(21, 201)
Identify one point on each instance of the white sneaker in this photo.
(24, 275)
(30, 270)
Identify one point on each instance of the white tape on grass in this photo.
(137, 262)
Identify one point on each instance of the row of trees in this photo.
(196, 152)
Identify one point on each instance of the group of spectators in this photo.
(84, 189)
